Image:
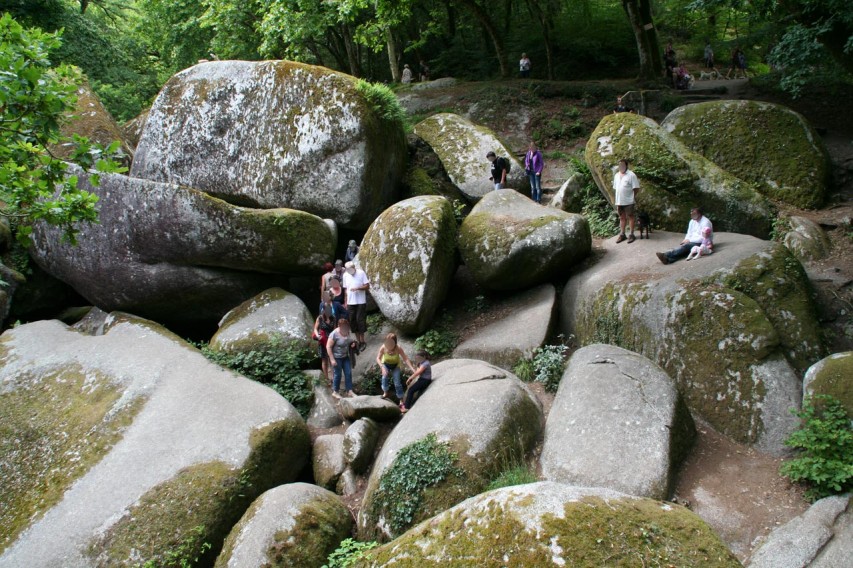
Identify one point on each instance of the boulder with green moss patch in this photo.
(409, 255)
(509, 242)
(673, 178)
(292, 525)
(275, 134)
(833, 376)
(618, 422)
(734, 329)
(462, 146)
(176, 254)
(270, 319)
(487, 416)
(551, 524)
(426, 175)
(763, 143)
(806, 239)
(130, 446)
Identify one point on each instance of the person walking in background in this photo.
(424, 71)
(625, 188)
(423, 376)
(352, 250)
(407, 75)
(698, 223)
(498, 170)
(524, 66)
(328, 272)
(670, 62)
(709, 55)
(357, 284)
(533, 165)
(324, 325)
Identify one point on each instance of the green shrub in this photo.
(371, 381)
(602, 219)
(383, 100)
(418, 466)
(825, 442)
(518, 475)
(525, 370)
(375, 323)
(437, 342)
(279, 366)
(348, 553)
(184, 555)
(549, 362)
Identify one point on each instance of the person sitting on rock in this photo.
(390, 358)
(706, 248)
(422, 379)
(698, 222)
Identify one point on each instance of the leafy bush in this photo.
(375, 323)
(602, 219)
(826, 444)
(419, 465)
(348, 553)
(184, 555)
(549, 362)
(383, 100)
(437, 342)
(279, 366)
(525, 370)
(371, 381)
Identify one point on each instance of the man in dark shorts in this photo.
(357, 284)
(625, 188)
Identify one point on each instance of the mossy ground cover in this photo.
(53, 429)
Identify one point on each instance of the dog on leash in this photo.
(644, 224)
(709, 75)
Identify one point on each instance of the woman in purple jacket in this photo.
(533, 166)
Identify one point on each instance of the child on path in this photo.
(422, 379)
(704, 249)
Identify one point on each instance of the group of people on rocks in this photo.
(533, 166)
(407, 75)
(681, 79)
(340, 332)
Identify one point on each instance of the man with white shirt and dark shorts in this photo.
(693, 237)
(625, 188)
(357, 284)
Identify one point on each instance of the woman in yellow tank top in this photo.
(389, 358)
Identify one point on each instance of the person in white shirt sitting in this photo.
(693, 237)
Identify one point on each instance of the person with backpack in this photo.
(500, 169)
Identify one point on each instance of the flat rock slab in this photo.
(529, 320)
(617, 422)
(130, 455)
(373, 407)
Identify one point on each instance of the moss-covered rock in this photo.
(87, 477)
(763, 143)
(551, 524)
(673, 178)
(462, 147)
(292, 525)
(833, 376)
(275, 134)
(568, 197)
(270, 319)
(509, 242)
(806, 240)
(733, 329)
(426, 175)
(177, 254)
(409, 255)
(132, 129)
(485, 436)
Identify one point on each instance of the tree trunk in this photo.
(393, 57)
(640, 15)
(545, 24)
(494, 34)
(352, 51)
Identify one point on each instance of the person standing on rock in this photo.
(357, 284)
(336, 291)
(352, 250)
(533, 165)
(625, 188)
(407, 74)
(498, 170)
(390, 358)
(337, 348)
(422, 379)
(324, 325)
(328, 272)
(698, 222)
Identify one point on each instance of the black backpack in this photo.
(506, 163)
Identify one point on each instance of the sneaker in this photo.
(350, 394)
(362, 346)
(632, 238)
(662, 257)
(621, 238)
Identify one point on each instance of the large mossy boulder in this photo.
(551, 524)
(763, 143)
(409, 255)
(462, 146)
(276, 134)
(806, 239)
(488, 418)
(130, 446)
(674, 178)
(173, 253)
(735, 329)
(617, 422)
(509, 242)
(298, 524)
(832, 376)
(271, 320)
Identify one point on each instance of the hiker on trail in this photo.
(419, 381)
(352, 250)
(337, 348)
(669, 62)
(625, 188)
(524, 66)
(533, 166)
(357, 284)
(698, 222)
(499, 170)
(324, 325)
(709, 55)
(390, 359)
(407, 75)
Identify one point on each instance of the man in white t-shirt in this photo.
(625, 187)
(357, 284)
(693, 237)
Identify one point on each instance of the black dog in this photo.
(644, 224)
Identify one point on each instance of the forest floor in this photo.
(737, 490)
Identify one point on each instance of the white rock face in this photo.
(274, 134)
(462, 147)
(408, 253)
(617, 422)
(807, 240)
